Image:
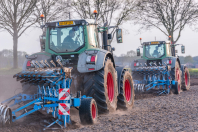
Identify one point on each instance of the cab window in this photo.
(168, 48)
(154, 51)
(66, 39)
(93, 35)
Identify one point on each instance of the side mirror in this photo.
(42, 42)
(119, 35)
(138, 52)
(183, 49)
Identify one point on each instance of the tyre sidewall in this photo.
(186, 71)
(177, 67)
(93, 102)
(127, 76)
(110, 68)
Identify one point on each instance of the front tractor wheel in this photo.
(102, 86)
(127, 94)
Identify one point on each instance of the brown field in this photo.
(150, 113)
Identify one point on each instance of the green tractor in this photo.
(76, 43)
(159, 68)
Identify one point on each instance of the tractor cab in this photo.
(156, 49)
(70, 36)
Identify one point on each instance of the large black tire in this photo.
(102, 86)
(127, 93)
(88, 111)
(185, 85)
(176, 75)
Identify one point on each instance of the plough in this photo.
(154, 77)
(53, 96)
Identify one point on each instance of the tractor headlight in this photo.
(59, 57)
(169, 62)
(88, 59)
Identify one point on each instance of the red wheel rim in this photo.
(127, 90)
(178, 78)
(186, 79)
(110, 87)
(93, 111)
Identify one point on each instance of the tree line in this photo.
(169, 16)
(6, 58)
(130, 56)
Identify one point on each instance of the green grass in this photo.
(193, 71)
(9, 71)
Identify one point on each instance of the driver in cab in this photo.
(68, 41)
(156, 52)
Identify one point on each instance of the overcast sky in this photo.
(29, 41)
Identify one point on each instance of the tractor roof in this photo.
(75, 22)
(156, 42)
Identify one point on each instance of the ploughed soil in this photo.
(150, 113)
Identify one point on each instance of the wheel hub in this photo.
(127, 90)
(110, 87)
(186, 79)
(93, 111)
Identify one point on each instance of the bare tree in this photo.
(52, 10)
(108, 10)
(15, 18)
(111, 11)
(169, 16)
(131, 53)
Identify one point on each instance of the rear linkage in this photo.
(53, 95)
(154, 77)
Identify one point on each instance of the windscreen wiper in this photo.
(78, 48)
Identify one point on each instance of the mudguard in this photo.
(183, 66)
(119, 73)
(101, 54)
(38, 57)
(120, 70)
(174, 59)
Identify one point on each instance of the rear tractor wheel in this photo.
(185, 79)
(176, 75)
(102, 86)
(127, 94)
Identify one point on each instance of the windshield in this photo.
(154, 51)
(66, 39)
